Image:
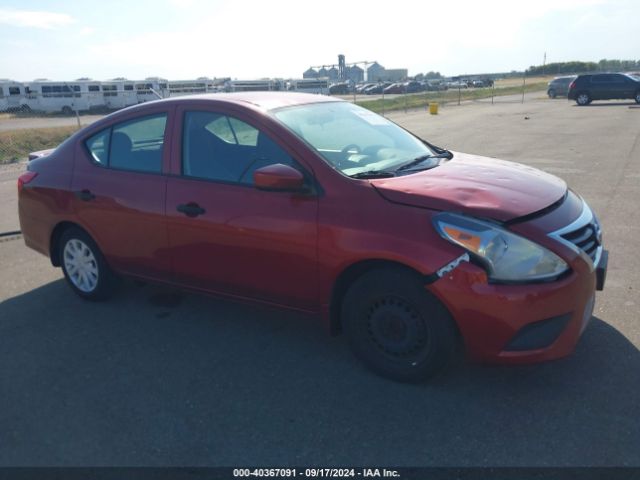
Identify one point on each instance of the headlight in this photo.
(507, 257)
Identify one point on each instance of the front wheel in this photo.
(583, 99)
(396, 327)
(84, 266)
(637, 97)
(552, 93)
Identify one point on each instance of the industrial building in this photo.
(351, 72)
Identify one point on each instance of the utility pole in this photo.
(544, 63)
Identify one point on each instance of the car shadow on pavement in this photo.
(161, 377)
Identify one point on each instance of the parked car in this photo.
(435, 85)
(376, 89)
(477, 84)
(457, 84)
(363, 86)
(559, 86)
(604, 86)
(398, 87)
(312, 203)
(413, 87)
(339, 88)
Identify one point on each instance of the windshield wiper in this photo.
(373, 174)
(419, 160)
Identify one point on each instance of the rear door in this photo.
(120, 192)
(601, 87)
(226, 236)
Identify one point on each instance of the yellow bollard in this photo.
(433, 108)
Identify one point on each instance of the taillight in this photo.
(24, 179)
(573, 85)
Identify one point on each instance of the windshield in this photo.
(352, 139)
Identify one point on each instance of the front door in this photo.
(228, 237)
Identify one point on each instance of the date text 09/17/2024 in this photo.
(316, 472)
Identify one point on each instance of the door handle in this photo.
(191, 209)
(85, 195)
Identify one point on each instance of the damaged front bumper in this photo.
(518, 323)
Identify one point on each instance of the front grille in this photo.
(586, 238)
(583, 236)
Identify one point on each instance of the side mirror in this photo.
(278, 177)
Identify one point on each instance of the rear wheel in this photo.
(67, 110)
(552, 93)
(583, 99)
(637, 97)
(84, 266)
(397, 328)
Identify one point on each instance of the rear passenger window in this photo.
(135, 145)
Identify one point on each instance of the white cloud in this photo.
(283, 38)
(35, 19)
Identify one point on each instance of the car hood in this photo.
(479, 186)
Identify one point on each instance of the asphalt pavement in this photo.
(161, 377)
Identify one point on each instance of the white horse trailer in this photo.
(151, 89)
(191, 87)
(119, 94)
(12, 96)
(254, 85)
(65, 97)
(309, 85)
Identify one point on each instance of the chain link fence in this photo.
(36, 121)
(514, 90)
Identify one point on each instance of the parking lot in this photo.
(162, 377)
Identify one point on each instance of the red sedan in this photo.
(315, 204)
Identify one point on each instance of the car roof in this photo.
(262, 100)
(599, 74)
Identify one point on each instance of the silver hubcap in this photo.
(81, 265)
(583, 99)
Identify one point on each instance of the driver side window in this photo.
(222, 148)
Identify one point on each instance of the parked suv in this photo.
(559, 86)
(604, 86)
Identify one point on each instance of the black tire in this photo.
(637, 97)
(552, 93)
(583, 98)
(99, 280)
(66, 110)
(396, 327)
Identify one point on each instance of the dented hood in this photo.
(479, 186)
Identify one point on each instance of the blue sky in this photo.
(181, 39)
